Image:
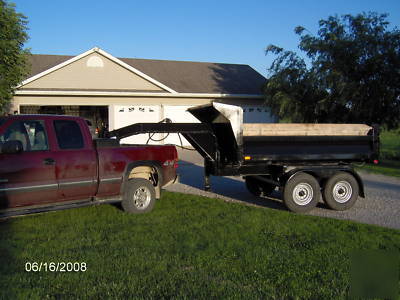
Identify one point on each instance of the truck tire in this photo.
(258, 188)
(301, 193)
(139, 196)
(341, 191)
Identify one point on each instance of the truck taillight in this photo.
(376, 161)
(176, 163)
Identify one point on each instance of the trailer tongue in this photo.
(300, 159)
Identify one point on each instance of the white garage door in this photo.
(258, 114)
(128, 115)
(178, 114)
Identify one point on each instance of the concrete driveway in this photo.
(380, 207)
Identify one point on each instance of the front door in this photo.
(27, 178)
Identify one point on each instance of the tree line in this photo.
(349, 72)
(13, 55)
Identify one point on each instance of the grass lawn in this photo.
(389, 162)
(385, 167)
(189, 246)
(390, 148)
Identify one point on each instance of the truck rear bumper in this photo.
(172, 181)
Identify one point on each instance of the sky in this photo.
(208, 31)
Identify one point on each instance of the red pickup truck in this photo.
(50, 162)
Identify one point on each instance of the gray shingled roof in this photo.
(181, 76)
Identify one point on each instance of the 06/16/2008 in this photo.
(55, 266)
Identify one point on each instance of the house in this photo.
(115, 92)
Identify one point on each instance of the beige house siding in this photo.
(121, 93)
(77, 100)
(93, 72)
(110, 102)
(98, 101)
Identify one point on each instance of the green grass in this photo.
(385, 167)
(390, 145)
(389, 162)
(189, 246)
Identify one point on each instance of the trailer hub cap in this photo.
(303, 193)
(141, 197)
(342, 191)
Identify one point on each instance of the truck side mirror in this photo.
(11, 147)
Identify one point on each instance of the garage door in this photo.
(128, 115)
(178, 114)
(258, 114)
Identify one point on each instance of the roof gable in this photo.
(173, 76)
(92, 70)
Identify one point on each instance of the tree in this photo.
(352, 73)
(13, 58)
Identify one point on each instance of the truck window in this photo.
(30, 133)
(69, 135)
(2, 120)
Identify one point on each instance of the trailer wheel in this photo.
(341, 191)
(301, 193)
(258, 188)
(139, 196)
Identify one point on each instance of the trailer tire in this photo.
(258, 188)
(139, 196)
(301, 193)
(341, 191)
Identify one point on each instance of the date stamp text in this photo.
(55, 266)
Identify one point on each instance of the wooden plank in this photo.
(296, 129)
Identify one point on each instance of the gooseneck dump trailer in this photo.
(302, 160)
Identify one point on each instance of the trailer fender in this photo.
(359, 181)
(288, 175)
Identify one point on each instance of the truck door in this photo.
(27, 178)
(76, 161)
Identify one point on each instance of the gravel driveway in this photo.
(380, 207)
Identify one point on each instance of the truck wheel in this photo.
(341, 191)
(301, 193)
(258, 188)
(139, 196)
